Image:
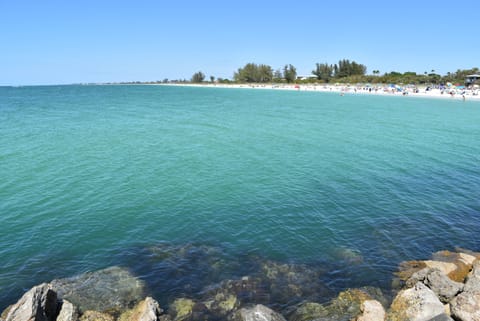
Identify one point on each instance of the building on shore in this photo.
(471, 80)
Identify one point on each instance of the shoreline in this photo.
(421, 92)
(444, 287)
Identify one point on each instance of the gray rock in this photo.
(442, 285)
(372, 310)
(466, 305)
(415, 304)
(38, 304)
(472, 283)
(146, 310)
(113, 289)
(68, 312)
(442, 317)
(418, 276)
(257, 313)
(151, 310)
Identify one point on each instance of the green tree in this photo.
(323, 72)
(348, 68)
(252, 73)
(198, 77)
(212, 79)
(290, 73)
(277, 75)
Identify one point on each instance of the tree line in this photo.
(345, 71)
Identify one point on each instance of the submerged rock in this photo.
(348, 255)
(237, 292)
(96, 316)
(345, 307)
(308, 311)
(110, 290)
(38, 304)
(257, 313)
(289, 284)
(181, 309)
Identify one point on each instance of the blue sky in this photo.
(57, 42)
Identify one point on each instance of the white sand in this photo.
(448, 93)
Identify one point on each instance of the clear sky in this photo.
(57, 42)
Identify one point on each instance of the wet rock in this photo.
(181, 309)
(243, 291)
(372, 310)
(442, 286)
(348, 255)
(466, 305)
(418, 303)
(345, 307)
(257, 313)
(68, 312)
(145, 310)
(308, 311)
(5, 312)
(113, 289)
(96, 316)
(292, 283)
(409, 269)
(38, 304)
(222, 304)
(455, 265)
(418, 276)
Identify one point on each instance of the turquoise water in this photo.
(90, 176)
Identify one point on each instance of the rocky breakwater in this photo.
(447, 287)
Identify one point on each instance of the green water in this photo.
(89, 174)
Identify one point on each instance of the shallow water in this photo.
(92, 176)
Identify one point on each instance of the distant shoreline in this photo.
(377, 90)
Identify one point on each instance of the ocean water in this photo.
(92, 176)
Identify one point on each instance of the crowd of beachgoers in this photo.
(439, 91)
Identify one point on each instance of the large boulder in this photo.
(372, 310)
(345, 307)
(455, 265)
(257, 313)
(418, 303)
(146, 310)
(463, 263)
(38, 304)
(466, 305)
(181, 309)
(111, 290)
(442, 286)
(68, 312)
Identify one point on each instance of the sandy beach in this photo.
(342, 90)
